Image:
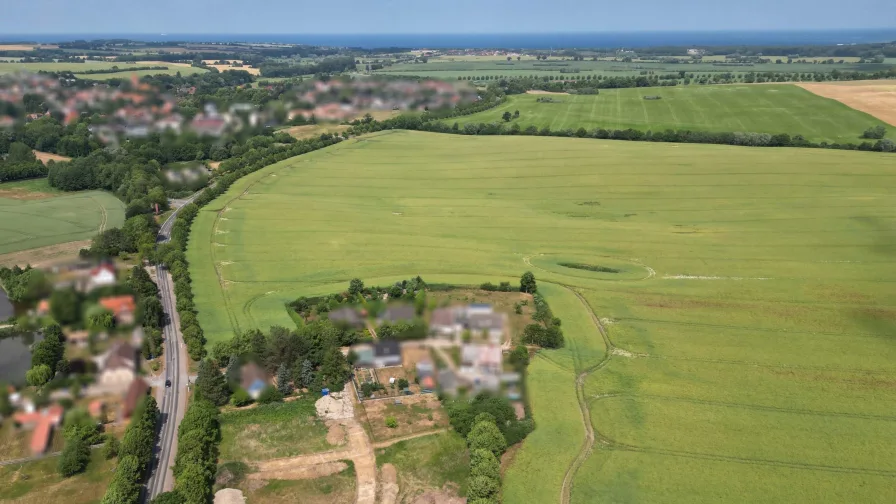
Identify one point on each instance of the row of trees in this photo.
(545, 331)
(134, 454)
(137, 235)
(676, 136)
(173, 254)
(197, 456)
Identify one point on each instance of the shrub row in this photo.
(677, 136)
(134, 454)
(174, 255)
(197, 453)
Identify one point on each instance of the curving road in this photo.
(173, 402)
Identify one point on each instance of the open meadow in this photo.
(746, 297)
(773, 108)
(173, 68)
(33, 214)
(476, 67)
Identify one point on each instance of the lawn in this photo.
(747, 294)
(772, 108)
(34, 215)
(38, 482)
(272, 431)
(428, 463)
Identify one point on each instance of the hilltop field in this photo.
(33, 214)
(173, 68)
(745, 297)
(773, 108)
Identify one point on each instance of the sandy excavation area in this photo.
(876, 97)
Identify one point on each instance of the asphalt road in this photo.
(173, 402)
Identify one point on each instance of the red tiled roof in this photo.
(118, 304)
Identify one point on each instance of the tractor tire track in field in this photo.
(104, 217)
(588, 444)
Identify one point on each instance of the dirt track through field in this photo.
(877, 98)
(359, 451)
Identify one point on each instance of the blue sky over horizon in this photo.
(426, 16)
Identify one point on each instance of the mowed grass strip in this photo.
(753, 308)
(783, 108)
(33, 215)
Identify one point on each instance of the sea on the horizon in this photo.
(504, 41)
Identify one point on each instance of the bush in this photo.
(875, 132)
(391, 422)
(403, 383)
(240, 398)
(484, 463)
(169, 498)
(110, 447)
(269, 395)
(75, 457)
(483, 488)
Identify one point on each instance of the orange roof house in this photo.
(122, 308)
(43, 423)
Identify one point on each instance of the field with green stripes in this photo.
(32, 214)
(743, 349)
(773, 108)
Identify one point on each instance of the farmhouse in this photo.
(397, 313)
(42, 422)
(118, 366)
(346, 316)
(253, 379)
(137, 390)
(122, 308)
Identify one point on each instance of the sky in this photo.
(428, 16)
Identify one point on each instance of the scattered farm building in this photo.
(253, 379)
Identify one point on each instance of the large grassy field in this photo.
(751, 352)
(15, 66)
(476, 67)
(32, 214)
(781, 108)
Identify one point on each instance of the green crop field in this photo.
(476, 67)
(32, 215)
(12, 67)
(749, 354)
(783, 108)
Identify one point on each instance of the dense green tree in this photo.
(270, 394)
(527, 283)
(124, 487)
(172, 497)
(211, 384)
(482, 487)
(284, 380)
(74, 458)
(507, 116)
(50, 350)
(111, 447)
(486, 435)
(484, 463)
(38, 376)
(355, 286)
(65, 306)
(240, 398)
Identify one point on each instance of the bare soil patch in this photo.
(444, 496)
(389, 484)
(21, 193)
(315, 130)
(335, 434)
(302, 472)
(229, 496)
(43, 157)
(415, 414)
(44, 256)
(877, 97)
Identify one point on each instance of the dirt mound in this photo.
(334, 407)
(335, 434)
(389, 488)
(229, 496)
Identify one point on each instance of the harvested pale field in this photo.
(877, 98)
(44, 256)
(26, 47)
(43, 157)
(540, 92)
(222, 68)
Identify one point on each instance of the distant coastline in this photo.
(507, 40)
